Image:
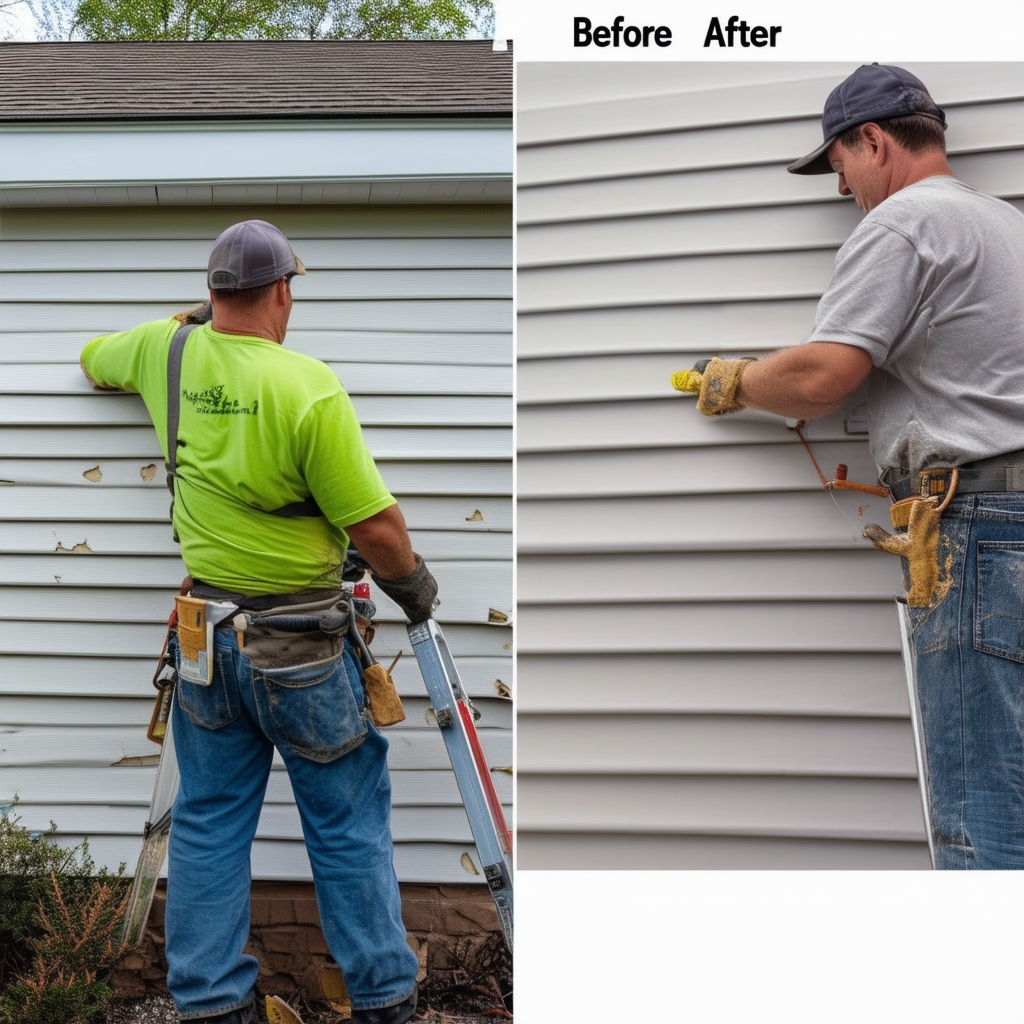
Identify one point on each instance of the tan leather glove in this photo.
(715, 382)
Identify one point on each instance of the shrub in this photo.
(59, 930)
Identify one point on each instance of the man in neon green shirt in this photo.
(272, 481)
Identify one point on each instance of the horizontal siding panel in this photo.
(692, 523)
(133, 787)
(174, 285)
(855, 684)
(690, 234)
(641, 745)
(148, 504)
(23, 712)
(471, 315)
(673, 147)
(410, 748)
(22, 538)
(685, 98)
(791, 807)
(90, 442)
(693, 471)
(285, 861)
(732, 327)
(424, 824)
(687, 234)
(780, 275)
(597, 378)
(662, 423)
(317, 254)
(124, 409)
(358, 379)
(347, 348)
(135, 640)
(610, 851)
(473, 478)
(469, 589)
(483, 677)
(706, 576)
(828, 627)
(1000, 174)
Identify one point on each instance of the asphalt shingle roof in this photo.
(201, 80)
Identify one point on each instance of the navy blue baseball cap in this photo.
(873, 92)
(250, 254)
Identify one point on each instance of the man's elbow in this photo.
(834, 378)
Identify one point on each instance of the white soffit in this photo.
(185, 163)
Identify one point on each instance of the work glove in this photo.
(354, 569)
(415, 594)
(201, 314)
(715, 382)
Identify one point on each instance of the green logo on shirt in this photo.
(215, 401)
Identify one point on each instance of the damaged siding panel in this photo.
(413, 312)
(709, 657)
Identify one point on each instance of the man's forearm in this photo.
(804, 382)
(383, 541)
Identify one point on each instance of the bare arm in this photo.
(383, 541)
(805, 382)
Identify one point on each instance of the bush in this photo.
(59, 933)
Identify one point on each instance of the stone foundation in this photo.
(453, 929)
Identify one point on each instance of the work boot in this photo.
(397, 1013)
(243, 1015)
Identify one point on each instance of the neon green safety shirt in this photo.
(263, 427)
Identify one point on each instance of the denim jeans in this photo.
(225, 736)
(969, 647)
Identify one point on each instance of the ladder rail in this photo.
(454, 714)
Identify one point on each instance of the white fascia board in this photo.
(119, 154)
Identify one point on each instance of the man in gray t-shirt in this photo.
(927, 298)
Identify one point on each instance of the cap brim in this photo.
(813, 163)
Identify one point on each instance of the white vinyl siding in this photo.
(709, 670)
(411, 306)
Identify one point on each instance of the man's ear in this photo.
(873, 136)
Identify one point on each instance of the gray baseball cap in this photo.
(250, 254)
(873, 92)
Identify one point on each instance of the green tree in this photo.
(161, 20)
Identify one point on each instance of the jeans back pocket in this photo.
(216, 705)
(314, 709)
(999, 604)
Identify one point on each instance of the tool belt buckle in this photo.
(934, 483)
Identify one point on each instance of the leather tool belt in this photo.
(1000, 473)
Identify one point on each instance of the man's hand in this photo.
(716, 383)
(415, 594)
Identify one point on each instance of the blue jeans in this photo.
(225, 736)
(969, 647)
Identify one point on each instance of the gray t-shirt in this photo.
(931, 285)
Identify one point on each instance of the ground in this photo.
(475, 1008)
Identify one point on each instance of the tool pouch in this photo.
(919, 518)
(164, 678)
(195, 641)
(381, 693)
(295, 635)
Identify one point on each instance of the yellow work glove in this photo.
(715, 382)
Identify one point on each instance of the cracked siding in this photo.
(84, 476)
